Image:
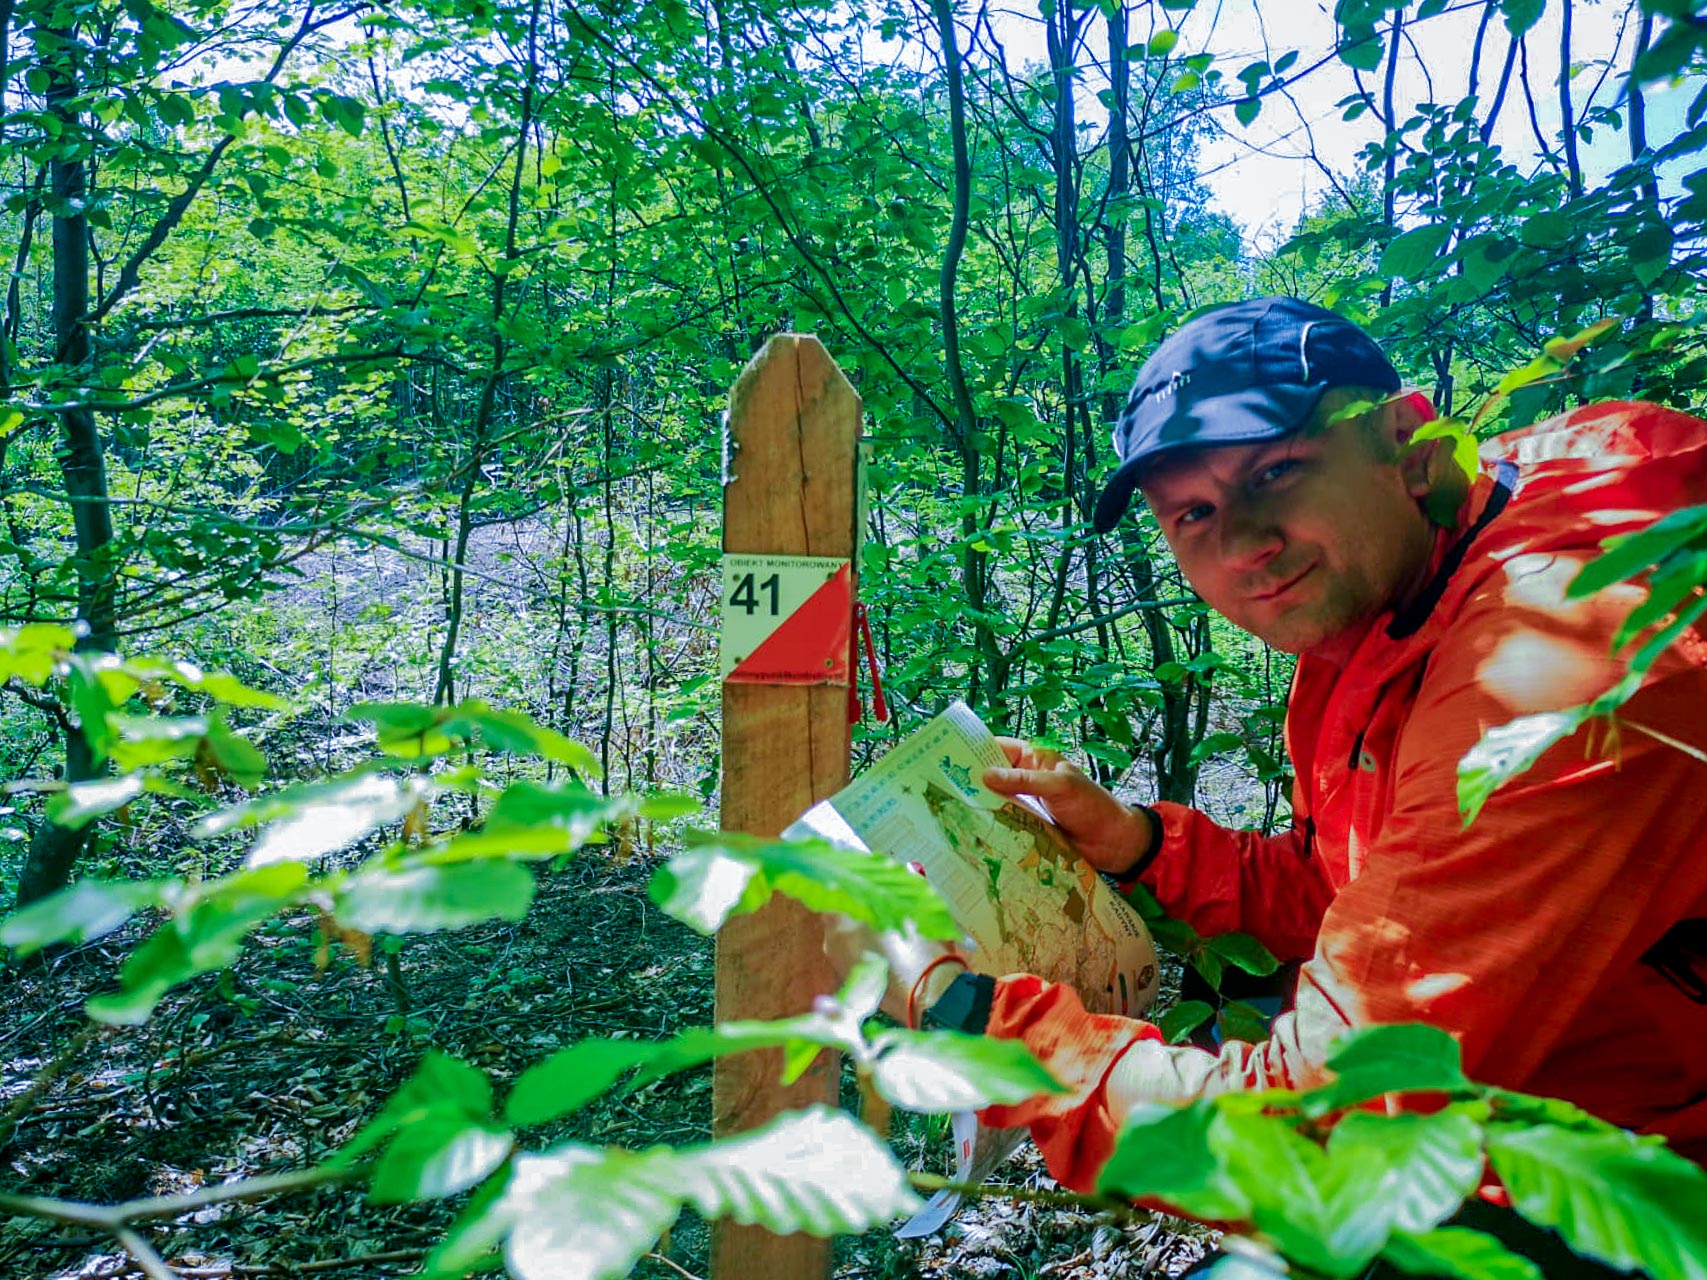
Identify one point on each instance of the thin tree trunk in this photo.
(1567, 110)
(1389, 122)
(1062, 34)
(1639, 150)
(607, 398)
(974, 563)
(54, 849)
(444, 691)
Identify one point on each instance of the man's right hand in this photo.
(1108, 835)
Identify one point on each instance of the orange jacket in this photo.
(1534, 935)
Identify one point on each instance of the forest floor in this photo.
(272, 1066)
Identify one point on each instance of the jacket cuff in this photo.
(1128, 879)
(1074, 1130)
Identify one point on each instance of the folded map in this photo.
(1026, 901)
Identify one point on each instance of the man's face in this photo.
(1299, 541)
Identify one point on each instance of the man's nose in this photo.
(1249, 538)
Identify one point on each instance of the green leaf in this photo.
(1244, 952)
(1543, 366)
(476, 1233)
(440, 1137)
(1433, 1162)
(221, 686)
(1317, 1210)
(1626, 1201)
(1175, 935)
(1458, 1252)
(729, 874)
(948, 1071)
(1630, 554)
(1177, 1023)
(1164, 1152)
(534, 821)
(232, 754)
(1161, 44)
(435, 1157)
(1677, 579)
(31, 652)
(1567, 349)
(1546, 230)
(666, 806)
(1405, 1057)
(205, 933)
(1525, 1108)
(314, 819)
(1413, 255)
(415, 732)
(1246, 110)
(572, 1077)
(817, 1171)
(1509, 750)
(140, 741)
(1520, 15)
(423, 899)
(1360, 47)
(516, 734)
(580, 1213)
(440, 1085)
(1209, 965)
(224, 687)
(1240, 1021)
(1214, 745)
(863, 989)
(88, 909)
(82, 802)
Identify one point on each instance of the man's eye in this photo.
(1274, 471)
(1195, 515)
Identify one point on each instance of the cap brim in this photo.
(1116, 496)
(1243, 417)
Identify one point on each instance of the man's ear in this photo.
(1431, 474)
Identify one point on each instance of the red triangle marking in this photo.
(811, 645)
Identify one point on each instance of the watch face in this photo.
(965, 1006)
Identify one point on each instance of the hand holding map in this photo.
(1109, 835)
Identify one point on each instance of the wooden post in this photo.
(794, 424)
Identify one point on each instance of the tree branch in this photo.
(131, 273)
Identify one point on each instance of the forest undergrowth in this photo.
(273, 1065)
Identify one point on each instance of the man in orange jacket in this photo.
(1561, 936)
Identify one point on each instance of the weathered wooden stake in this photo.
(794, 424)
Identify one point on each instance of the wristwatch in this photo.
(1126, 880)
(965, 1006)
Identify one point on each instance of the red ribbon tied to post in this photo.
(861, 638)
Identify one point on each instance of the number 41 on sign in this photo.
(786, 619)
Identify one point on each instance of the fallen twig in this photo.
(1114, 1206)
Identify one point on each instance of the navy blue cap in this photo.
(1247, 371)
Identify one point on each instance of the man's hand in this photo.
(1108, 835)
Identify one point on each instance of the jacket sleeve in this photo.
(1499, 932)
(1223, 881)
